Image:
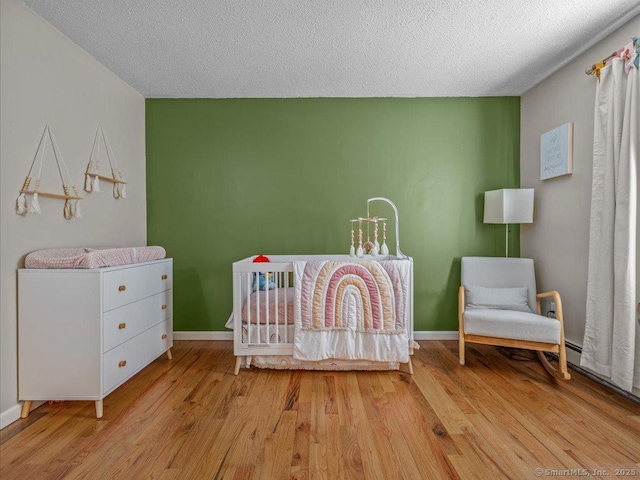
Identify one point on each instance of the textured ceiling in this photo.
(334, 48)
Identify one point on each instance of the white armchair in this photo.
(496, 305)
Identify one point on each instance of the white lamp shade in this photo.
(508, 205)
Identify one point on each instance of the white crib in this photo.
(262, 320)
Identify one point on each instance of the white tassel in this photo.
(123, 193)
(359, 252)
(376, 249)
(384, 250)
(116, 191)
(21, 204)
(76, 210)
(352, 251)
(66, 212)
(87, 183)
(96, 184)
(35, 205)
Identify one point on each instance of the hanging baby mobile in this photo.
(92, 174)
(71, 202)
(369, 247)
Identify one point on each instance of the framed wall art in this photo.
(556, 152)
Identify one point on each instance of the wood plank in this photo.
(524, 420)
(104, 177)
(301, 443)
(334, 449)
(499, 416)
(58, 196)
(372, 465)
(394, 455)
(542, 438)
(428, 441)
(488, 431)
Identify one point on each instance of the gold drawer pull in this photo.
(122, 288)
(122, 326)
(164, 306)
(164, 277)
(123, 363)
(164, 335)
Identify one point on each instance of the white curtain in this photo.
(612, 339)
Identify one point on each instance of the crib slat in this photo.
(286, 306)
(247, 277)
(237, 308)
(266, 293)
(277, 309)
(257, 284)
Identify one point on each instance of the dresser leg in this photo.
(98, 408)
(169, 356)
(238, 363)
(26, 408)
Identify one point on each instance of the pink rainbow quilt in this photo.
(352, 310)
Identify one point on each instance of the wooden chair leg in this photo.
(26, 408)
(99, 405)
(551, 370)
(461, 304)
(562, 361)
(238, 363)
(169, 356)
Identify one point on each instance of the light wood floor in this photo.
(191, 418)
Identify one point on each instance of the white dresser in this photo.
(82, 333)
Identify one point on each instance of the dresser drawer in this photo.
(125, 360)
(128, 285)
(123, 323)
(161, 340)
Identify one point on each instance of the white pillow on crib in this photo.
(514, 298)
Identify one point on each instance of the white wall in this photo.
(46, 78)
(558, 238)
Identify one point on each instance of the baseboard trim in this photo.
(574, 351)
(604, 382)
(436, 335)
(12, 414)
(203, 335)
(421, 335)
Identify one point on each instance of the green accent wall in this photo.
(230, 178)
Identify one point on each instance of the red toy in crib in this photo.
(261, 259)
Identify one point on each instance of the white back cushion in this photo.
(500, 272)
(511, 298)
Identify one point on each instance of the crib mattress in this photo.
(92, 257)
(275, 305)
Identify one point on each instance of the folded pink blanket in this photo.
(92, 257)
(284, 303)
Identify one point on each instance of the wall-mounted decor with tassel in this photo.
(92, 175)
(71, 202)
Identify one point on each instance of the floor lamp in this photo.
(508, 205)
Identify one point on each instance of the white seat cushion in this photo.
(511, 324)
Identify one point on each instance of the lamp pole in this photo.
(506, 236)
